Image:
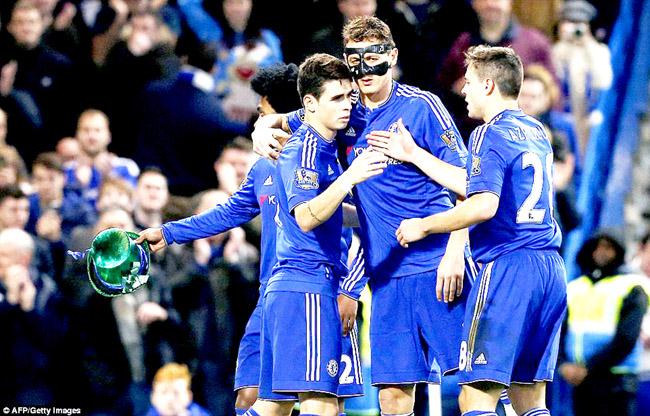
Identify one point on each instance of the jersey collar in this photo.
(516, 112)
(330, 143)
(393, 88)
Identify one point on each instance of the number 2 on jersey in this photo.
(527, 213)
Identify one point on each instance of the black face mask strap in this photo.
(362, 69)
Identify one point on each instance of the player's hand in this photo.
(348, 311)
(451, 271)
(268, 142)
(154, 237)
(574, 374)
(399, 145)
(409, 231)
(370, 163)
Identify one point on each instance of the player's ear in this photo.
(393, 56)
(489, 86)
(310, 103)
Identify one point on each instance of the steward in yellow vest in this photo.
(600, 348)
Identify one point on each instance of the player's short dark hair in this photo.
(367, 28)
(49, 160)
(316, 70)
(278, 83)
(500, 64)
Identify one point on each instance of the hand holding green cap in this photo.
(116, 264)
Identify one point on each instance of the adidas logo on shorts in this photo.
(330, 171)
(480, 359)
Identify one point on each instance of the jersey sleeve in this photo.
(240, 208)
(295, 119)
(353, 284)
(300, 177)
(437, 132)
(486, 167)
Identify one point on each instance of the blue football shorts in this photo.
(514, 317)
(413, 336)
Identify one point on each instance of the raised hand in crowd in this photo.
(20, 289)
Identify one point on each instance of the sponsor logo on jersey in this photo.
(306, 179)
(332, 368)
(390, 161)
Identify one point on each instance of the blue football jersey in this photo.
(402, 191)
(307, 166)
(255, 196)
(511, 156)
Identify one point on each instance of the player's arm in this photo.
(400, 145)
(240, 208)
(451, 270)
(350, 288)
(316, 211)
(477, 208)
(272, 131)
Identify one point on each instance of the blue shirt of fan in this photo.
(256, 195)
(307, 166)
(402, 191)
(511, 157)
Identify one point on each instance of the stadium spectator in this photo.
(172, 393)
(97, 163)
(48, 78)
(233, 164)
(583, 65)
(151, 196)
(144, 55)
(246, 46)
(33, 323)
(54, 210)
(182, 126)
(642, 261)
(600, 351)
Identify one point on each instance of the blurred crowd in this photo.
(131, 113)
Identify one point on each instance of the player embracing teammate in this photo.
(414, 240)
